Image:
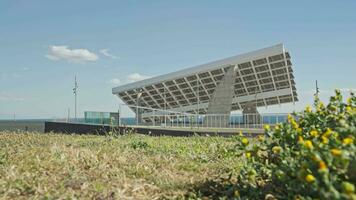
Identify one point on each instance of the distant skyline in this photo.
(43, 45)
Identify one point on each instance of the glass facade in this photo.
(105, 118)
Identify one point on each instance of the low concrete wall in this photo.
(22, 125)
(63, 127)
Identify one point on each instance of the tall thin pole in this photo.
(75, 91)
(316, 88)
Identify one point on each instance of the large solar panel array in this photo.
(267, 78)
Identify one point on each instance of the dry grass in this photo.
(56, 166)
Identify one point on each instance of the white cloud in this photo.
(71, 55)
(115, 81)
(136, 77)
(348, 89)
(4, 96)
(10, 75)
(129, 79)
(106, 53)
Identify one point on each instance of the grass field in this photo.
(51, 166)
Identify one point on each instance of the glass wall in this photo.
(106, 118)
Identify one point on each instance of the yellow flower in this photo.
(244, 141)
(290, 117)
(299, 130)
(300, 139)
(241, 134)
(267, 127)
(349, 100)
(324, 139)
(322, 166)
(248, 155)
(294, 124)
(310, 178)
(327, 132)
(316, 158)
(321, 105)
(277, 127)
(347, 140)
(277, 149)
(314, 133)
(348, 109)
(336, 152)
(261, 138)
(309, 144)
(308, 109)
(349, 188)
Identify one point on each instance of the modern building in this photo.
(244, 82)
(94, 117)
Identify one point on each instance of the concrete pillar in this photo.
(221, 102)
(138, 110)
(250, 113)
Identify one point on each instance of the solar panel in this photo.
(265, 76)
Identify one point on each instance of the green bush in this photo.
(311, 156)
(138, 144)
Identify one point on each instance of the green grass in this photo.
(51, 166)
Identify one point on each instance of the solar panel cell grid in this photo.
(270, 73)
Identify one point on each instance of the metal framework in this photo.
(264, 76)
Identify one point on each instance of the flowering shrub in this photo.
(312, 155)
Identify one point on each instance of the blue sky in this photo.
(43, 44)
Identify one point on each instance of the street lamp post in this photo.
(75, 91)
